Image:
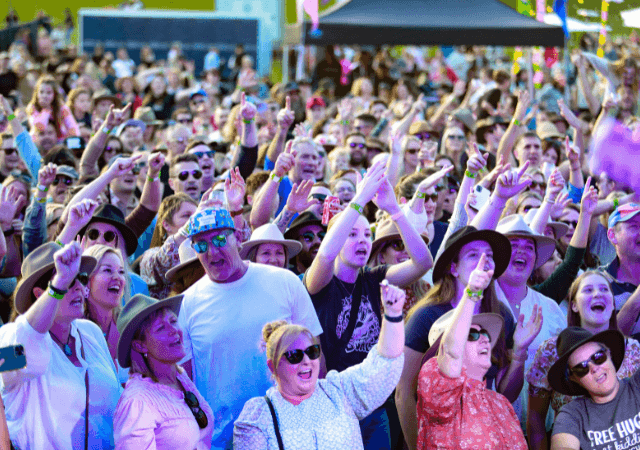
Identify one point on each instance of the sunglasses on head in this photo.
(309, 236)
(218, 241)
(581, 369)
(108, 236)
(208, 153)
(194, 405)
(296, 356)
(354, 145)
(9, 151)
(197, 174)
(474, 335)
(62, 179)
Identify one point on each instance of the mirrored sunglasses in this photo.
(218, 241)
(474, 335)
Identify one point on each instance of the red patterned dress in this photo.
(461, 413)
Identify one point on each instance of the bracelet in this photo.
(235, 213)
(395, 319)
(41, 200)
(548, 200)
(59, 242)
(469, 174)
(616, 203)
(357, 207)
(516, 122)
(275, 177)
(420, 194)
(150, 179)
(247, 121)
(43, 188)
(344, 122)
(10, 117)
(473, 295)
(397, 215)
(55, 292)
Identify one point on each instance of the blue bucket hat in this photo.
(210, 219)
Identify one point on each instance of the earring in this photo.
(145, 355)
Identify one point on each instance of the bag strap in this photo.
(356, 300)
(275, 422)
(86, 384)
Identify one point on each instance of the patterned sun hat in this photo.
(623, 213)
(209, 219)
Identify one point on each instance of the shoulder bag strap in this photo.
(356, 300)
(275, 422)
(86, 384)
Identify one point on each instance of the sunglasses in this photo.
(456, 137)
(433, 197)
(570, 223)
(197, 174)
(397, 246)
(538, 184)
(474, 335)
(9, 151)
(320, 197)
(108, 236)
(192, 402)
(425, 136)
(218, 241)
(113, 149)
(185, 121)
(296, 356)
(354, 145)
(83, 278)
(138, 167)
(62, 179)
(412, 151)
(309, 236)
(21, 176)
(581, 369)
(208, 153)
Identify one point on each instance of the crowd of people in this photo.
(398, 251)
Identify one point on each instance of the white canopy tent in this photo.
(574, 25)
(631, 18)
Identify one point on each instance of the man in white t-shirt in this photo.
(222, 316)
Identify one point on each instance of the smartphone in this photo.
(482, 197)
(14, 358)
(74, 143)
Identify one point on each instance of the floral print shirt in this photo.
(547, 355)
(461, 413)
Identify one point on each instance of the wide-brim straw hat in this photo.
(135, 311)
(493, 323)
(35, 265)
(269, 233)
(387, 231)
(559, 228)
(189, 263)
(514, 226)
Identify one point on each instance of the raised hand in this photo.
(471, 198)
(395, 142)
(370, 183)
(10, 201)
(234, 189)
(67, 262)
(248, 110)
(345, 109)
(459, 88)
(285, 161)
(524, 101)
(156, 161)
(385, 198)
(512, 182)
(481, 276)
(116, 117)
(477, 161)
(47, 174)
(490, 178)
(285, 116)
(558, 207)
(524, 334)
(555, 185)
(300, 131)
(393, 299)
(123, 166)
(434, 178)
(81, 213)
(298, 199)
(419, 105)
(572, 152)
(589, 199)
(427, 154)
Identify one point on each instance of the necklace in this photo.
(344, 286)
(65, 347)
(106, 333)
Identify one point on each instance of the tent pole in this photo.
(285, 64)
(567, 94)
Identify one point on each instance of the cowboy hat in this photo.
(112, 215)
(514, 226)
(499, 244)
(493, 323)
(303, 220)
(559, 228)
(387, 231)
(35, 265)
(189, 263)
(269, 234)
(568, 341)
(133, 314)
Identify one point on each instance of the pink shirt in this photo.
(68, 125)
(152, 416)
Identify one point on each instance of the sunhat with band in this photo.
(559, 228)
(37, 264)
(386, 232)
(493, 323)
(514, 226)
(569, 340)
(269, 234)
(500, 246)
(112, 215)
(133, 314)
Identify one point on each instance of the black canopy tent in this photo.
(427, 22)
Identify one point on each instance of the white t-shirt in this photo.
(554, 321)
(45, 401)
(222, 326)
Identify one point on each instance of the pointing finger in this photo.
(287, 103)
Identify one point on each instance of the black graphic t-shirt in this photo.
(613, 425)
(333, 305)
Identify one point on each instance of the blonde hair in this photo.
(356, 88)
(99, 251)
(278, 335)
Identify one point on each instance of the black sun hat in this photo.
(499, 244)
(568, 341)
(112, 215)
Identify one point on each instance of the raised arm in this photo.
(575, 167)
(554, 187)
(79, 216)
(321, 270)
(284, 121)
(26, 148)
(405, 123)
(585, 85)
(514, 130)
(454, 340)
(297, 202)
(394, 162)
(153, 188)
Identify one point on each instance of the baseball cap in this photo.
(209, 219)
(315, 101)
(623, 213)
(198, 92)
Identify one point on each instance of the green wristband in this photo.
(357, 207)
(56, 293)
(616, 203)
(473, 294)
(516, 122)
(10, 117)
(469, 174)
(420, 194)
